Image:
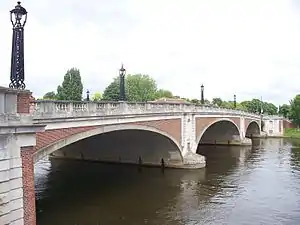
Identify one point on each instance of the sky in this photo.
(250, 48)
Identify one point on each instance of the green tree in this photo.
(269, 108)
(138, 88)
(71, 88)
(195, 101)
(295, 110)
(141, 88)
(162, 93)
(253, 106)
(112, 91)
(284, 110)
(96, 97)
(50, 95)
(217, 101)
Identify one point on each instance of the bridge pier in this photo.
(17, 139)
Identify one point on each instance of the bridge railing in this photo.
(53, 109)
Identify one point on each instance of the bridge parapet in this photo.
(57, 109)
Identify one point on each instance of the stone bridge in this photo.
(103, 131)
(123, 132)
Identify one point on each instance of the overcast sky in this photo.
(250, 48)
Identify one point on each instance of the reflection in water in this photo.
(249, 185)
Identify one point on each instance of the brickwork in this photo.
(28, 185)
(171, 127)
(23, 102)
(288, 124)
(203, 122)
(247, 122)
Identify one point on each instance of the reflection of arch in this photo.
(47, 150)
(252, 129)
(218, 121)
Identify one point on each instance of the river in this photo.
(239, 186)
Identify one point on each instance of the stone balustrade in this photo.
(43, 109)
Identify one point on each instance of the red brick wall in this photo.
(171, 127)
(288, 124)
(23, 102)
(28, 185)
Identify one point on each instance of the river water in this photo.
(239, 186)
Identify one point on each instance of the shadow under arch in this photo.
(252, 130)
(220, 131)
(83, 136)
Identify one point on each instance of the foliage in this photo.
(138, 88)
(295, 110)
(50, 95)
(217, 102)
(162, 93)
(292, 132)
(112, 91)
(71, 88)
(141, 88)
(97, 96)
(284, 110)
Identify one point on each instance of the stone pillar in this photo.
(17, 132)
(191, 159)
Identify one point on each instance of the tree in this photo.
(295, 110)
(71, 88)
(50, 95)
(96, 97)
(269, 108)
(141, 88)
(217, 101)
(112, 91)
(162, 93)
(284, 110)
(138, 88)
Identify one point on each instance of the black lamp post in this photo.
(18, 18)
(234, 101)
(202, 94)
(88, 95)
(122, 73)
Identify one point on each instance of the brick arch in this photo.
(204, 122)
(170, 126)
(247, 132)
(248, 121)
(42, 152)
(212, 122)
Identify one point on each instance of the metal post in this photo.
(202, 94)
(234, 101)
(18, 18)
(122, 84)
(88, 95)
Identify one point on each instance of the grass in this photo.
(292, 133)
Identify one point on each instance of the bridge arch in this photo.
(253, 129)
(220, 131)
(76, 138)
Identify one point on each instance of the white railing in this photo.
(43, 109)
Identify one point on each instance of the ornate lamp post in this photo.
(122, 73)
(18, 18)
(202, 94)
(88, 95)
(234, 101)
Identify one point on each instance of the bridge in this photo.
(118, 132)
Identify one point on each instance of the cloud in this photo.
(247, 48)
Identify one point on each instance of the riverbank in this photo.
(292, 133)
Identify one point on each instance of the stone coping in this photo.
(11, 90)
(22, 128)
